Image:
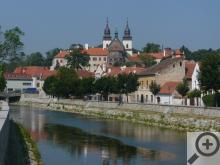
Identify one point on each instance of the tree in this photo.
(76, 46)
(87, 86)
(64, 84)
(154, 88)
(50, 56)
(127, 83)
(209, 75)
(194, 94)
(77, 59)
(35, 59)
(187, 52)
(147, 60)
(151, 48)
(11, 45)
(49, 85)
(182, 88)
(105, 86)
(2, 79)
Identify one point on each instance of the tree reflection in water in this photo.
(79, 142)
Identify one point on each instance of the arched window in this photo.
(127, 46)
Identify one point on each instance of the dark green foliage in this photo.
(183, 88)
(87, 86)
(194, 94)
(35, 59)
(105, 86)
(49, 85)
(127, 83)
(77, 59)
(147, 60)
(11, 45)
(211, 100)
(210, 73)
(151, 48)
(2, 79)
(154, 88)
(50, 55)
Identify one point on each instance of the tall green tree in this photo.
(2, 79)
(154, 88)
(77, 59)
(187, 52)
(49, 86)
(35, 59)
(147, 60)
(127, 83)
(151, 48)
(183, 88)
(11, 45)
(209, 75)
(105, 86)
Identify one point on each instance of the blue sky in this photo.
(58, 23)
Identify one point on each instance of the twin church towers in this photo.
(126, 40)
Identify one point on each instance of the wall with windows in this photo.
(13, 85)
(95, 61)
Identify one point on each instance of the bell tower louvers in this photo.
(107, 36)
(127, 40)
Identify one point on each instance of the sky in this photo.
(59, 23)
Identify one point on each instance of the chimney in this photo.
(86, 46)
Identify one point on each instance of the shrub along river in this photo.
(67, 138)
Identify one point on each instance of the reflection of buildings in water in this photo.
(34, 122)
(141, 132)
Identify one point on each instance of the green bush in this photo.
(211, 100)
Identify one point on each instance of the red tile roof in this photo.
(97, 52)
(42, 72)
(114, 71)
(190, 66)
(90, 52)
(62, 54)
(84, 74)
(17, 76)
(134, 58)
(168, 87)
(158, 55)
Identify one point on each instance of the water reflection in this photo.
(64, 138)
(78, 142)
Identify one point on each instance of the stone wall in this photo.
(4, 130)
(178, 117)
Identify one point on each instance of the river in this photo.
(72, 139)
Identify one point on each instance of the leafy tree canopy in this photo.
(183, 88)
(151, 48)
(147, 60)
(154, 88)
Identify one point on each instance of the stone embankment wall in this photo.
(4, 130)
(177, 117)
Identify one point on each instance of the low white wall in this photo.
(4, 130)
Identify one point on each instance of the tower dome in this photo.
(116, 45)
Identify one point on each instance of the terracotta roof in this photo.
(168, 87)
(134, 58)
(42, 72)
(97, 52)
(62, 54)
(17, 76)
(84, 74)
(114, 71)
(190, 66)
(158, 55)
(90, 52)
(157, 68)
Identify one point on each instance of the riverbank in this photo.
(174, 117)
(21, 148)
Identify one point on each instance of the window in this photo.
(137, 98)
(61, 61)
(27, 84)
(104, 58)
(152, 98)
(146, 98)
(100, 58)
(38, 85)
(94, 59)
(173, 65)
(106, 45)
(181, 63)
(127, 46)
(147, 83)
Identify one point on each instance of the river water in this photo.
(72, 139)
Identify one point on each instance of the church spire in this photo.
(127, 32)
(107, 32)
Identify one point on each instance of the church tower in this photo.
(127, 40)
(107, 39)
